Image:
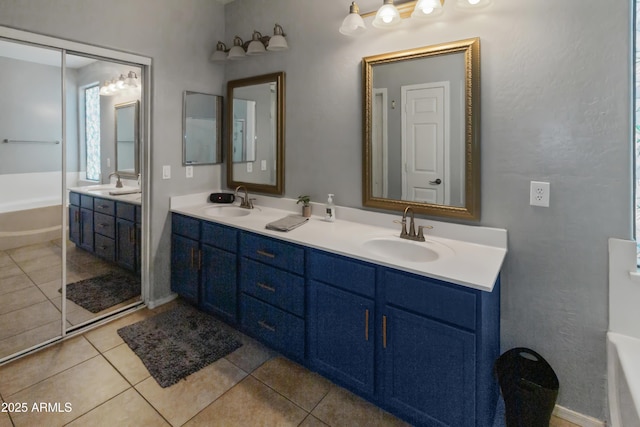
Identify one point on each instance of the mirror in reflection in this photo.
(202, 129)
(420, 144)
(255, 140)
(126, 138)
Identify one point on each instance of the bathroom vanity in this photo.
(106, 226)
(409, 340)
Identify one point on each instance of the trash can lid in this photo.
(524, 363)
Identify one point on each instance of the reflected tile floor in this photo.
(30, 304)
(95, 380)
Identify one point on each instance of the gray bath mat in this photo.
(101, 292)
(179, 342)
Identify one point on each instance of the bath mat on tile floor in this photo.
(101, 292)
(179, 342)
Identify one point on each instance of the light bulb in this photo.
(473, 2)
(427, 10)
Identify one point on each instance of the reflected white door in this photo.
(425, 121)
(379, 144)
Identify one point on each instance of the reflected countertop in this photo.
(109, 191)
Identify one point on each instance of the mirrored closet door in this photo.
(72, 243)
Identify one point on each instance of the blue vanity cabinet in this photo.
(185, 257)
(81, 220)
(439, 342)
(126, 236)
(204, 265)
(341, 320)
(272, 298)
(218, 291)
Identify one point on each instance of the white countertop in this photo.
(474, 262)
(133, 194)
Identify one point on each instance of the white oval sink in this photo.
(403, 250)
(226, 211)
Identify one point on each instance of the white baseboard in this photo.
(576, 417)
(157, 303)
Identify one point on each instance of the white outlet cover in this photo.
(539, 194)
(166, 172)
(189, 172)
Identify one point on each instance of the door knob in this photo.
(436, 182)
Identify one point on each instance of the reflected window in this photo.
(92, 131)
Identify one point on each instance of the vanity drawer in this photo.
(277, 287)
(104, 224)
(280, 329)
(104, 206)
(430, 297)
(105, 247)
(74, 199)
(273, 252)
(126, 211)
(86, 201)
(220, 237)
(344, 273)
(185, 226)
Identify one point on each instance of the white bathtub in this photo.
(623, 338)
(31, 208)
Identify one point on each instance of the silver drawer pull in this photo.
(265, 253)
(266, 326)
(265, 286)
(103, 206)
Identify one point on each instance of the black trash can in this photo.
(529, 387)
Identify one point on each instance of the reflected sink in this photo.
(111, 190)
(226, 211)
(405, 250)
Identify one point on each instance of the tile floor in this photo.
(96, 380)
(30, 276)
(252, 386)
(105, 384)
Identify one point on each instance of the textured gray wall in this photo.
(555, 107)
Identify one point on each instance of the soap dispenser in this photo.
(330, 211)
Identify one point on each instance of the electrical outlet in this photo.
(263, 165)
(249, 167)
(189, 171)
(539, 194)
(166, 172)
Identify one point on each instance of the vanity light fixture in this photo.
(237, 51)
(258, 45)
(353, 24)
(277, 42)
(389, 16)
(120, 84)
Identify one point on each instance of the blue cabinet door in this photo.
(74, 224)
(429, 369)
(219, 290)
(126, 237)
(86, 229)
(185, 262)
(341, 340)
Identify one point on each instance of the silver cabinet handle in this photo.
(266, 326)
(265, 286)
(265, 253)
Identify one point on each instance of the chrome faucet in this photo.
(118, 182)
(411, 234)
(246, 202)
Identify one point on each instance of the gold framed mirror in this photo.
(255, 133)
(421, 130)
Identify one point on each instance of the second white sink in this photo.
(226, 211)
(406, 250)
